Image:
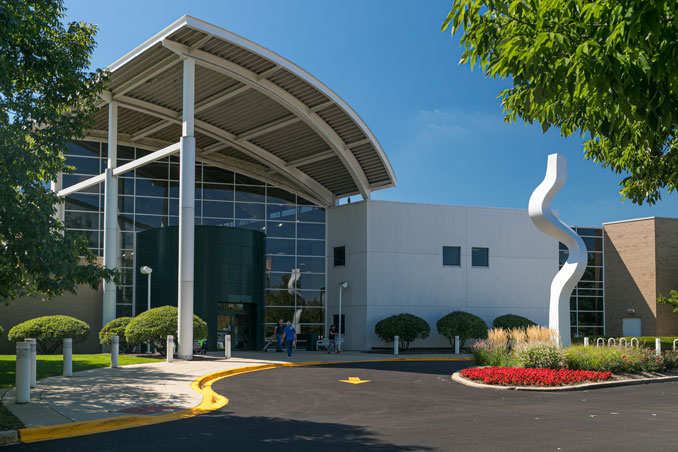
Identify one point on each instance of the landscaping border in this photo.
(456, 377)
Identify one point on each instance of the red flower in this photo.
(535, 377)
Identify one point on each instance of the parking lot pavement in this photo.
(405, 406)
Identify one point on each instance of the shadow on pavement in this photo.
(223, 431)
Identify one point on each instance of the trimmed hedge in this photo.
(408, 327)
(156, 324)
(462, 324)
(116, 327)
(49, 331)
(511, 321)
(644, 341)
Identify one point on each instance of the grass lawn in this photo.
(51, 365)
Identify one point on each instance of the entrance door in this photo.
(235, 320)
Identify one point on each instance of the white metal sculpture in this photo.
(292, 290)
(543, 217)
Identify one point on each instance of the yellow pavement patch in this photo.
(355, 380)
(210, 401)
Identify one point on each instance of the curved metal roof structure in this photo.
(255, 112)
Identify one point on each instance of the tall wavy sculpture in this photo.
(299, 300)
(543, 217)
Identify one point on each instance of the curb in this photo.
(580, 387)
(211, 401)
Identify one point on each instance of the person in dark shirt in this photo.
(290, 337)
(332, 333)
(279, 330)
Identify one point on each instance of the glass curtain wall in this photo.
(149, 198)
(587, 306)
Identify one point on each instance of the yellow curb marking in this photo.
(211, 401)
(355, 380)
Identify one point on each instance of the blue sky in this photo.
(440, 124)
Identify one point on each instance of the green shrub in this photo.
(49, 331)
(156, 324)
(2, 330)
(116, 327)
(408, 327)
(485, 354)
(540, 356)
(512, 321)
(462, 324)
(611, 359)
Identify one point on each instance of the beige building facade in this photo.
(641, 263)
(85, 306)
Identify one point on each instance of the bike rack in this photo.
(599, 341)
(674, 344)
(637, 342)
(626, 344)
(611, 341)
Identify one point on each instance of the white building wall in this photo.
(397, 251)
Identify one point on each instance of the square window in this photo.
(452, 256)
(339, 256)
(480, 257)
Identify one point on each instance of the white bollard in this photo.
(227, 346)
(115, 348)
(658, 346)
(23, 372)
(586, 342)
(34, 360)
(396, 344)
(170, 349)
(68, 357)
(456, 345)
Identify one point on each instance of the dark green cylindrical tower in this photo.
(229, 279)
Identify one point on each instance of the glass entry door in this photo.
(235, 319)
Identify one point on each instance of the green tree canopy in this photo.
(607, 69)
(47, 97)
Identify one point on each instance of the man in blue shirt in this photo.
(290, 337)
(278, 335)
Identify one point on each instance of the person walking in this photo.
(279, 330)
(332, 333)
(290, 337)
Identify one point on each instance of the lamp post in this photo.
(342, 285)
(145, 270)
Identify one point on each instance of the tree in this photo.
(156, 324)
(116, 327)
(671, 301)
(462, 324)
(407, 327)
(49, 331)
(47, 98)
(606, 69)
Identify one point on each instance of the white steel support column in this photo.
(187, 214)
(111, 214)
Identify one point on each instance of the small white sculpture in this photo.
(543, 217)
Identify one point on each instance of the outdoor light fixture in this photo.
(146, 270)
(342, 285)
(630, 311)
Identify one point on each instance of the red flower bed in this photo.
(535, 377)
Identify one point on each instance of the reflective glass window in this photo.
(277, 280)
(152, 206)
(218, 175)
(562, 257)
(311, 247)
(590, 318)
(126, 204)
(276, 212)
(155, 170)
(480, 257)
(280, 246)
(91, 236)
(246, 180)
(339, 256)
(217, 222)
(81, 220)
(592, 274)
(123, 310)
(126, 187)
(255, 225)
(157, 188)
(250, 194)
(280, 263)
(144, 222)
(217, 209)
(311, 281)
(590, 304)
(279, 196)
(595, 259)
(452, 256)
(312, 315)
(82, 148)
(216, 192)
(85, 165)
(249, 211)
(593, 244)
(126, 221)
(312, 214)
(590, 232)
(310, 231)
(82, 201)
(311, 264)
(125, 154)
(275, 313)
(280, 229)
(279, 298)
(69, 179)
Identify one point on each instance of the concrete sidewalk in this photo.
(147, 389)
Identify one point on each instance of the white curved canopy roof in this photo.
(255, 112)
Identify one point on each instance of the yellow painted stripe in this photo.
(210, 401)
